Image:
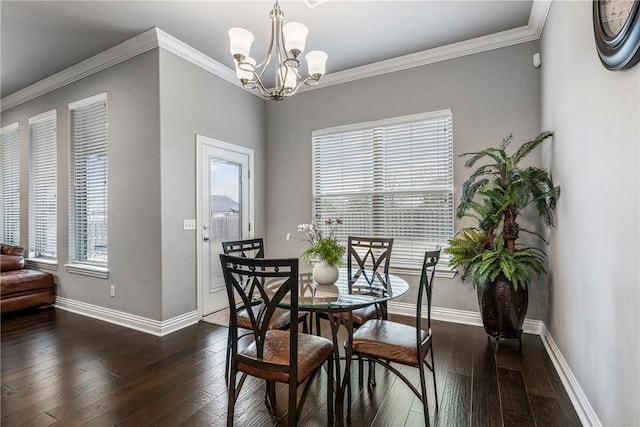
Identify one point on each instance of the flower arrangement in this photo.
(322, 248)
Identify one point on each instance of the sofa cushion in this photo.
(11, 250)
(24, 281)
(11, 262)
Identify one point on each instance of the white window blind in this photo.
(88, 181)
(10, 177)
(43, 178)
(392, 178)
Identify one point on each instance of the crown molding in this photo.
(155, 37)
(431, 56)
(121, 52)
(538, 15)
(531, 31)
(188, 53)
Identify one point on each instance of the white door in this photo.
(224, 200)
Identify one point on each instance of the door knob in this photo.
(205, 238)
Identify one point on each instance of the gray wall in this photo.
(157, 104)
(134, 190)
(491, 94)
(194, 101)
(594, 294)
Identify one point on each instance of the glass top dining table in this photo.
(351, 291)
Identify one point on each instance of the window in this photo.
(43, 177)
(88, 181)
(10, 178)
(391, 178)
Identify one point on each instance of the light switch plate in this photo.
(189, 224)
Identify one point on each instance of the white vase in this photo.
(325, 274)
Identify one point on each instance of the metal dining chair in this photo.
(386, 342)
(254, 248)
(369, 257)
(273, 355)
(368, 260)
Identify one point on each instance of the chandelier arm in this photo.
(275, 13)
(266, 92)
(279, 46)
(312, 80)
(300, 83)
(297, 73)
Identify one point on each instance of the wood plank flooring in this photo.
(63, 369)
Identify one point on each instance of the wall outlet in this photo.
(189, 224)
(113, 290)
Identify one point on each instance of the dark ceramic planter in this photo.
(503, 308)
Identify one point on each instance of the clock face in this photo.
(616, 26)
(614, 14)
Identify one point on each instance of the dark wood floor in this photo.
(62, 369)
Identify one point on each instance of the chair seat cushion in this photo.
(281, 318)
(388, 340)
(361, 315)
(312, 352)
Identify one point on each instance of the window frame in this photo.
(10, 206)
(42, 183)
(79, 262)
(384, 201)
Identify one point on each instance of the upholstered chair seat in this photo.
(312, 352)
(387, 340)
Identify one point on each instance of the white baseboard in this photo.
(464, 317)
(132, 321)
(580, 402)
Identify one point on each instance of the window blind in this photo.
(43, 178)
(88, 175)
(392, 178)
(10, 177)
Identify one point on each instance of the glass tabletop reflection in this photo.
(351, 291)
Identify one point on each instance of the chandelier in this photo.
(287, 43)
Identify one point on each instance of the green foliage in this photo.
(516, 266)
(494, 194)
(506, 184)
(464, 248)
(326, 249)
(323, 246)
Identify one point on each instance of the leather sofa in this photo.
(22, 287)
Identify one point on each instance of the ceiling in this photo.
(40, 38)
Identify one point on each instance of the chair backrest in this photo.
(370, 257)
(306, 285)
(249, 248)
(272, 282)
(426, 286)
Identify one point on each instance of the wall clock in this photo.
(616, 26)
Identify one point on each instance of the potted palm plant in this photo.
(500, 268)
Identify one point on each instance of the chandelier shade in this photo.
(287, 43)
